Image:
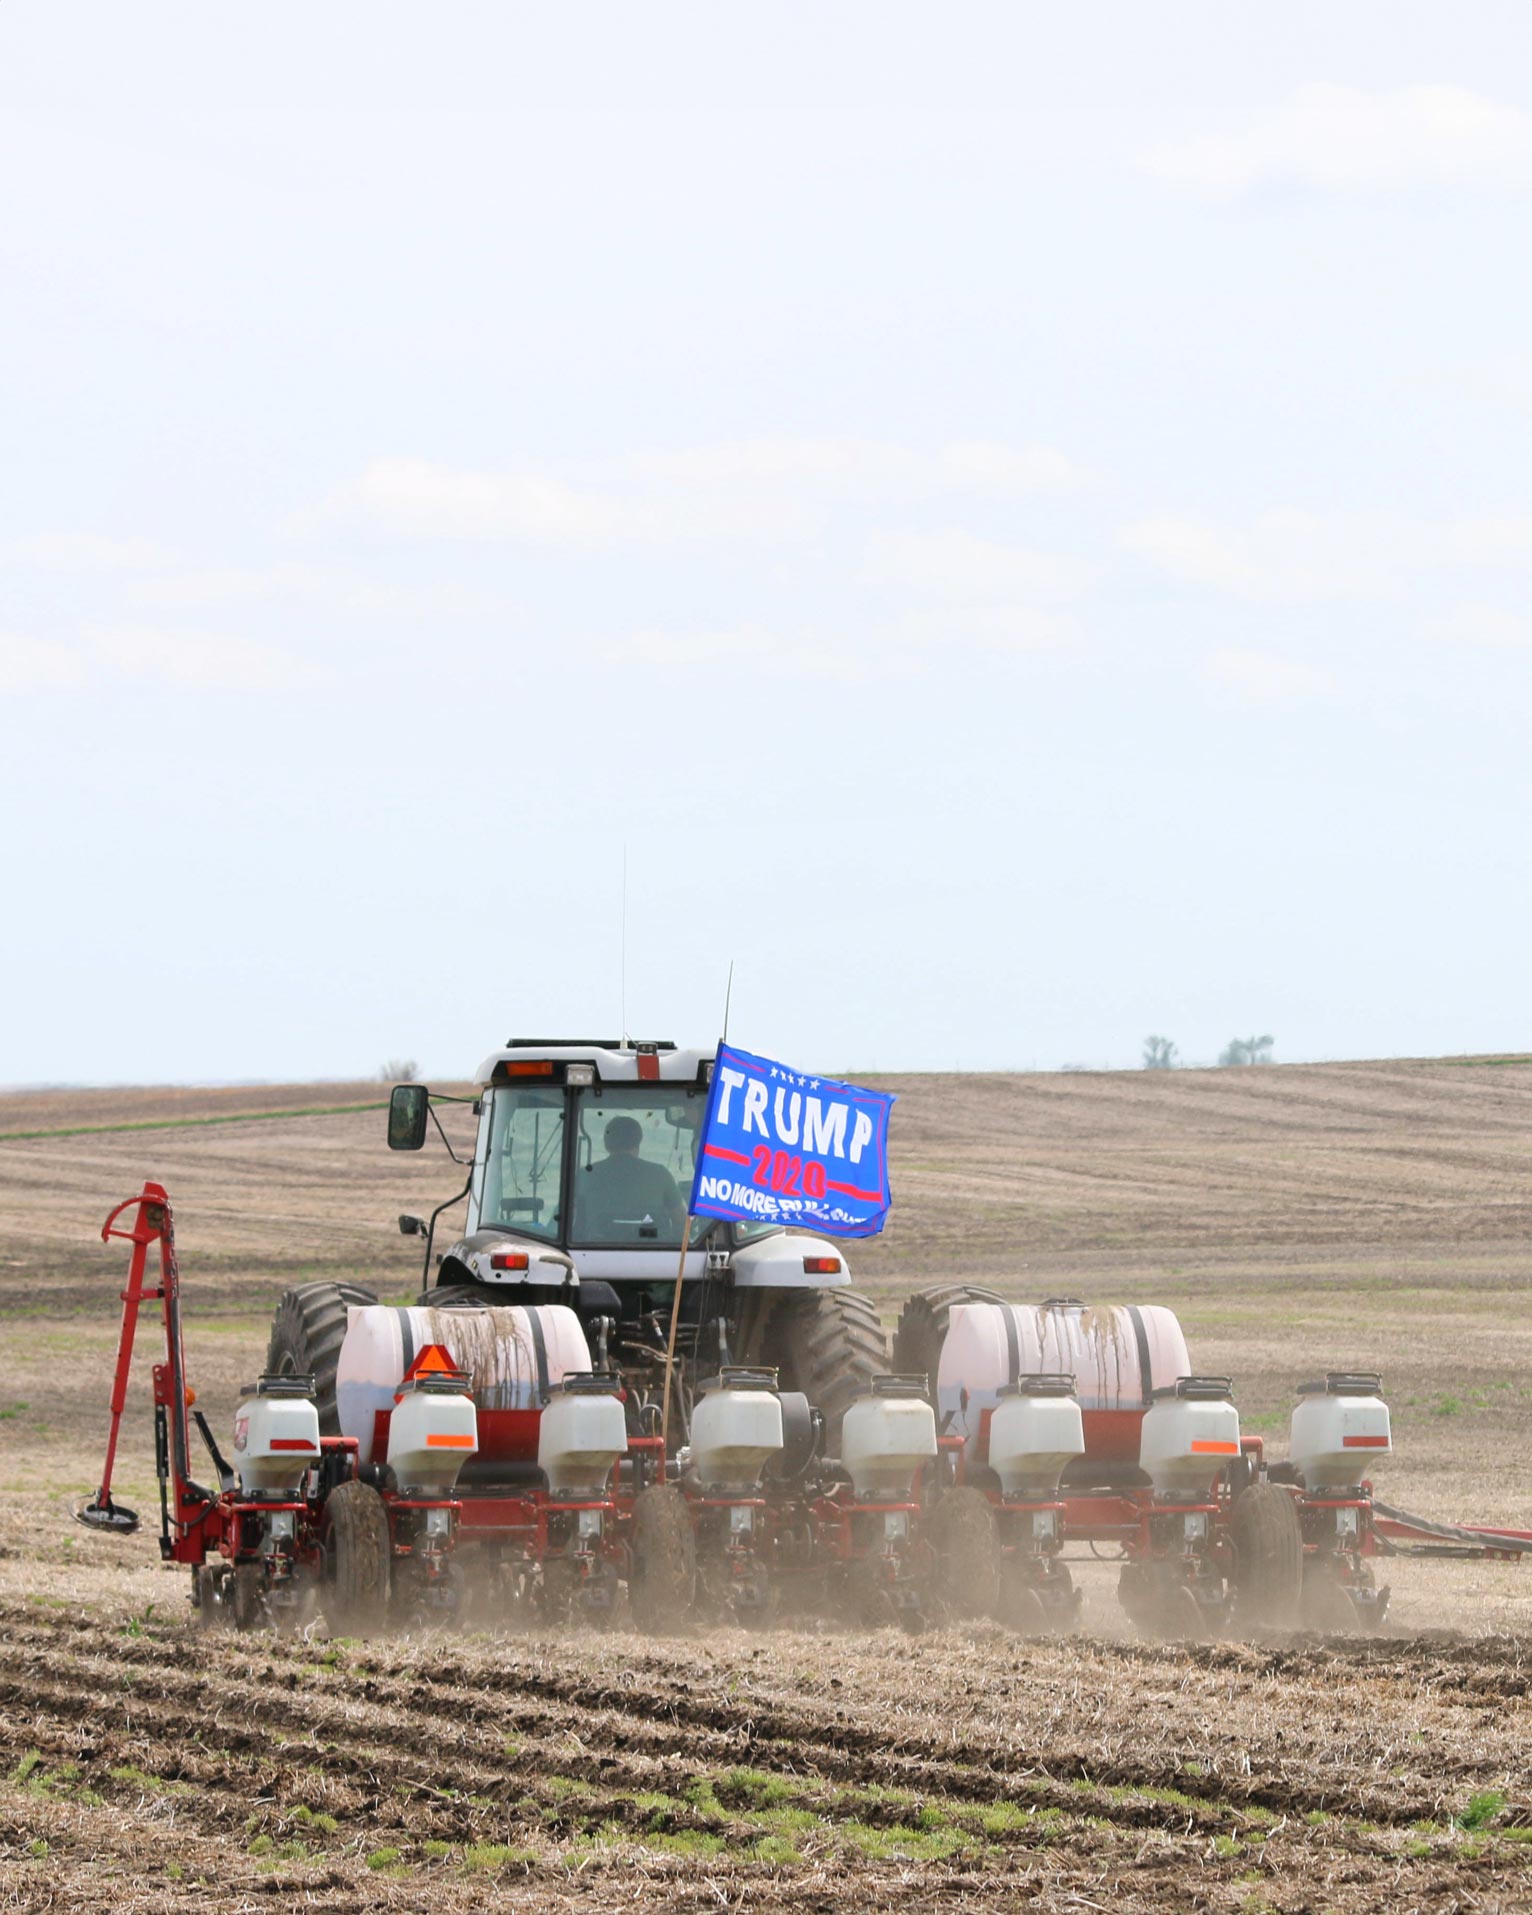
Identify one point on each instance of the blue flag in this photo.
(783, 1146)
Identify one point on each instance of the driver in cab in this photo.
(626, 1198)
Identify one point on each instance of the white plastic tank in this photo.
(1118, 1355)
(1339, 1427)
(736, 1429)
(583, 1433)
(1190, 1432)
(1036, 1429)
(886, 1436)
(276, 1437)
(513, 1358)
(432, 1433)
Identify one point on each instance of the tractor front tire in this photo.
(664, 1575)
(830, 1345)
(306, 1335)
(361, 1560)
(965, 1540)
(1268, 1557)
(923, 1328)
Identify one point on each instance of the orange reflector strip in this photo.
(821, 1266)
(528, 1070)
(292, 1443)
(1364, 1442)
(434, 1441)
(1202, 1448)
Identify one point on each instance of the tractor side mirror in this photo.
(409, 1106)
(411, 1227)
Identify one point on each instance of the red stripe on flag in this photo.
(729, 1156)
(850, 1190)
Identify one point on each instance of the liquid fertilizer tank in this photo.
(736, 1430)
(1190, 1432)
(887, 1436)
(1118, 1355)
(584, 1433)
(1340, 1426)
(276, 1436)
(1035, 1432)
(513, 1359)
(432, 1433)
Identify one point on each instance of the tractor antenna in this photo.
(728, 993)
(622, 984)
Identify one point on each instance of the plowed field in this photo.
(1370, 1215)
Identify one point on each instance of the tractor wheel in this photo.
(923, 1328)
(664, 1561)
(306, 1336)
(1268, 1557)
(361, 1559)
(464, 1296)
(966, 1543)
(830, 1345)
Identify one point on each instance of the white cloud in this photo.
(85, 552)
(751, 490)
(1263, 678)
(749, 647)
(987, 628)
(1342, 138)
(198, 661)
(1482, 625)
(957, 566)
(1287, 555)
(38, 664)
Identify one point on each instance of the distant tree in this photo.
(1247, 1050)
(398, 1070)
(1159, 1054)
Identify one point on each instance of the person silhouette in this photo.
(624, 1195)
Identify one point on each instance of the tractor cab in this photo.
(581, 1179)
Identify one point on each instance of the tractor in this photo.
(577, 1194)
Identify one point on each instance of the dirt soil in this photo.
(1372, 1215)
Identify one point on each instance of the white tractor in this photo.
(577, 1195)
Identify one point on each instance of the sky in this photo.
(1011, 524)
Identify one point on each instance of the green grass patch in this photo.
(435, 1851)
(687, 1842)
(774, 1849)
(384, 1858)
(750, 1789)
(1482, 1809)
(316, 1819)
(479, 1857)
(899, 1843)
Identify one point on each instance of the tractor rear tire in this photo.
(361, 1560)
(966, 1542)
(830, 1345)
(1268, 1556)
(664, 1575)
(306, 1336)
(923, 1328)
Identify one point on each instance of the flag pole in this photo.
(670, 1346)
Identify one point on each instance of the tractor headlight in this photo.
(438, 1523)
(1196, 1525)
(896, 1525)
(280, 1526)
(741, 1520)
(1345, 1521)
(1045, 1524)
(588, 1524)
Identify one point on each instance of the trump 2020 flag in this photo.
(783, 1146)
